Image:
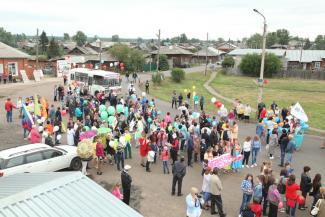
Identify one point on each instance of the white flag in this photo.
(298, 112)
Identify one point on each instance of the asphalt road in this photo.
(153, 197)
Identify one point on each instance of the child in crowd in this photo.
(116, 191)
(164, 157)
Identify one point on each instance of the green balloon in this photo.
(104, 115)
(120, 108)
(170, 128)
(110, 120)
(111, 110)
(102, 108)
(86, 128)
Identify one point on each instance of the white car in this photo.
(38, 158)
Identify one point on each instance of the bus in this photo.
(95, 80)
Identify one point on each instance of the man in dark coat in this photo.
(179, 171)
(126, 184)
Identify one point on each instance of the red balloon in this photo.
(91, 66)
(121, 65)
(266, 81)
(122, 68)
(218, 104)
(301, 200)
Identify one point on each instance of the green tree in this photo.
(175, 40)
(120, 52)
(132, 58)
(183, 38)
(44, 42)
(6, 37)
(115, 38)
(66, 37)
(163, 62)
(320, 42)
(255, 41)
(54, 49)
(228, 62)
(139, 40)
(220, 40)
(283, 36)
(195, 40)
(307, 44)
(251, 63)
(271, 39)
(178, 74)
(80, 38)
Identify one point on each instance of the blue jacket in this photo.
(258, 192)
(291, 147)
(192, 207)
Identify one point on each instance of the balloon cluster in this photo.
(217, 103)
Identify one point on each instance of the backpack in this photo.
(281, 186)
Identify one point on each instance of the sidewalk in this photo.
(30, 83)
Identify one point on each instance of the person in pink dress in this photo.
(100, 154)
(34, 136)
(116, 191)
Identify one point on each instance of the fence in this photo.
(301, 74)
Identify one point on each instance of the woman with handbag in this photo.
(291, 194)
(319, 209)
(317, 183)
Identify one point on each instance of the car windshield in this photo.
(1, 163)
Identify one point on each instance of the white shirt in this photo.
(247, 146)
(206, 182)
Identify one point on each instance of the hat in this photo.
(127, 167)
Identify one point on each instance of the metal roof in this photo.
(211, 52)
(58, 194)
(306, 56)
(242, 52)
(172, 50)
(9, 52)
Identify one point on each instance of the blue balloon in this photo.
(265, 120)
(159, 112)
(277, 120)
(149, 120)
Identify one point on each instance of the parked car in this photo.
(38, 158)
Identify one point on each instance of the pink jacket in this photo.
(164, 155)
(100, 150)
(34, 137)
(116, 192)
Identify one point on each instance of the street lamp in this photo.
(260, 81)
(99, 43)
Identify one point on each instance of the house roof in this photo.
(242, 52)
(211, 52)
(226, 45)
(84, 50)
(108, 44)
(58, 194)
(172, 50)
(307, 56)
(9, 52)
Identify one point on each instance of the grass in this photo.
(309, 93)
(165, 90)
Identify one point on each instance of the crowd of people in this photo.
(116, 125)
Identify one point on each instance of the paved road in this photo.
(154, 187)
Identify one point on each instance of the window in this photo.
(34, 157)
(16, 161)
(13, 68)
(48, 154)
(72, 77)
(317, 65)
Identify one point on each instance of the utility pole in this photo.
(301, 48)
(37, 49)
(206, 55)
(158, 52)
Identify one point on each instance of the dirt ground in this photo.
(151, 192)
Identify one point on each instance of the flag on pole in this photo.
(43, 103)
(26, 115)
(37, 110)
(298, 112)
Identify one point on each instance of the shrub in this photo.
(178, 74)
(228, 62)
(157, 78)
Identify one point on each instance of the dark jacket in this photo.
(206, 137)
(190, 144)
(213, 138)
(179, 169)
(305, 183)
(126, 180)
(283, 141)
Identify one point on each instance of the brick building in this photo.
(12, 61)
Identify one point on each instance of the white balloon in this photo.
(213, 99)
(143, 94)
(111, 65)
(40, 129)
(111, 144)
(56, 128)
(58, 137)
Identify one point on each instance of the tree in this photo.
(80, 38)
(120, 52)
(7, 37)
(183, 38)
(320, 42)
(195, 40)
(251, 63)
(228, 62)
(132, 58)
(163, 62)
(255, 41)
(44, 42)
(220, 40)
(178, 74)
(175, 40)
(139, 40)
(115, 38)
(271, 39)
(283, 36)
(66, 37)
(307, 44)
(53, 49)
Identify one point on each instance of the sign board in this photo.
(223, 161)
(24, 76)
(62, 67)
(38, 74)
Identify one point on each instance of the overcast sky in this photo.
(233, 19)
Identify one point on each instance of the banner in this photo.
(223, 161)
(299, 112)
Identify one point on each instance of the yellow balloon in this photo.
(185, 90)
(193, 87)
(194, 93)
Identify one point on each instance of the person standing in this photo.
(180, 99)
(164, 157)
(201, 102)
(305, 185)
(247, 145)
(290, 149)
(273, 143)
(34, 136)
(147, 87)
(179, 171)
(193, 208)
(274, 198)
(8, 107)
(256, 147)
(284, 140)
(291, 194)
(247, 188)
(317, 183)
(174, 99)
(126, 181)
(215, 193)
(190, 149)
